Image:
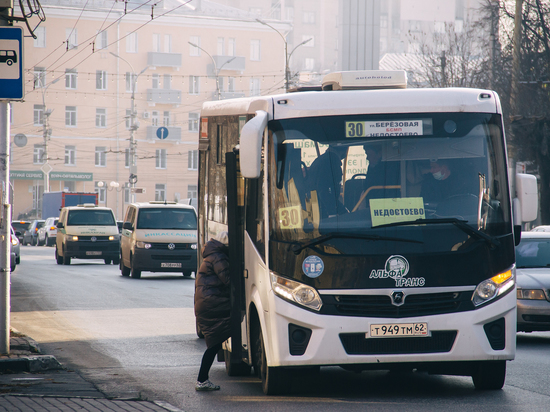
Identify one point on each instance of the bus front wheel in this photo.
(275, 380)
(490, 375)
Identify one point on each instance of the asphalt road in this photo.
(136, 337)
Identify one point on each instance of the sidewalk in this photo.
(31, 381)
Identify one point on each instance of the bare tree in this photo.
(452, 58)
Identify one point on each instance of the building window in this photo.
(384, 21)
(166, 118)
(231, 84)
(310, 43)
(309, 64)
(160, 192)
(156, 42)
(72, 38)
(131, 79)
(192, 191)
(439, 27)
(101, 193)
(70, 155)
(195, 51)
(193, 122)
(167, 43)
(128, 118)
(308, 17)
(194, 84)
(70, 115)
(126, 195)
(100, 117)
(100, 156)
(39, 77)
(154, 118)
(38, 115)
(40, 33)
(254, 87)
(101, 80)
(155, 81)
(70, 78)
(160, 159)
(132, 43)
(255, 50)
(231, 47)
(38, 154)
(192, 160)
(167, 81)
(221, 46)
(101, 40)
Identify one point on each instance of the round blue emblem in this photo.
(313, 266)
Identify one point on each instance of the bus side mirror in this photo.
(60, 225)
(527, 194)
(127, 226)
(250, 145)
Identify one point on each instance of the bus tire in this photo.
(124, 270)
(275, 380)
(490, 375)
(58, 258)
(235, 369)
(135, 272)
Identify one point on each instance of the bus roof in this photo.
(330, 103)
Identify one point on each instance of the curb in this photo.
(38, 363)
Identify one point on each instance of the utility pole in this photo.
(516, 58)
(5, 223)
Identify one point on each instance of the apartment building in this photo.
(111, 81)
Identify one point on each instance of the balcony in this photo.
(237, 64)
(174, 133)
(227, 95)
(164, 96)
(158, 59)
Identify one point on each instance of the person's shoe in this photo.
(206, 386)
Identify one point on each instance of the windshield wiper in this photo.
(321, 239)
(461, 224)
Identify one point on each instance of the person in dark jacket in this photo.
(212, 304)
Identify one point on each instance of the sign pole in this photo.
(5, 232)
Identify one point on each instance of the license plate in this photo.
(170, 265)
(388, 330)
(93, 253)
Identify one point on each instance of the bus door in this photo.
(235, 210)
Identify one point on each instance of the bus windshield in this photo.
(372, 184)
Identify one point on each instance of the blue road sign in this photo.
(11, 63)
(162, 132)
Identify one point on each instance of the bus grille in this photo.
(357, 344)
(380, 306)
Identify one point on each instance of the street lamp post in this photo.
(46, 132)
(287, 55)
(133, 127)
(216, 70)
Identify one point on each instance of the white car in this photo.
(47, 233)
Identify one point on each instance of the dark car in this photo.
(533, 282)
(30, 237)
(20, 227)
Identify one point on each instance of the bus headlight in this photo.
(143, 245)
(491, 288)
(296, 292)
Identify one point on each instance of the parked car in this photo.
(15, 250)
(533, 282)
(47, 233)
(20, 227)
(31, 234)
